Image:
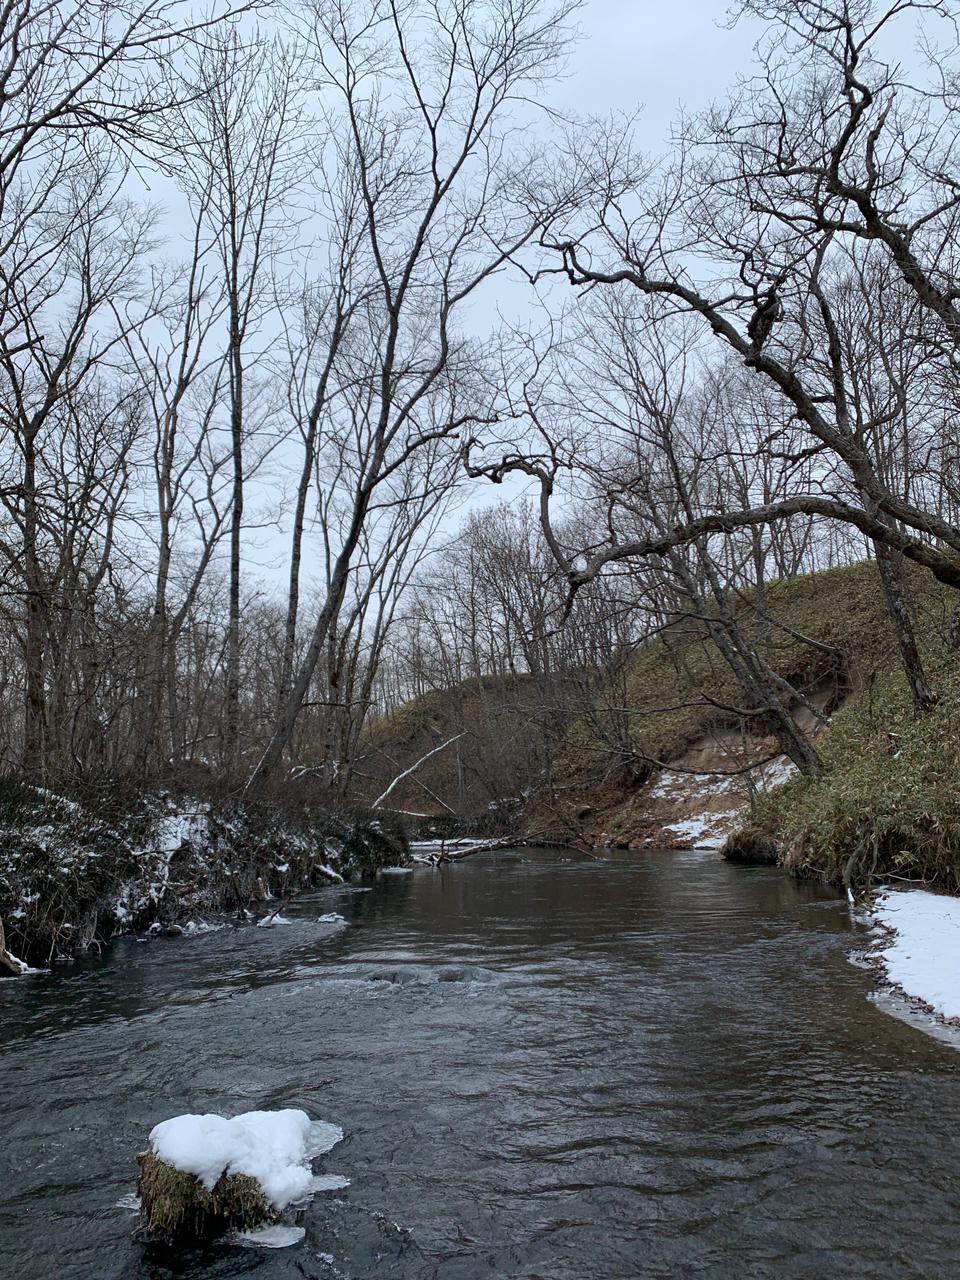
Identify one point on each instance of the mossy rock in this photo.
(177, 1202)
(752, 846)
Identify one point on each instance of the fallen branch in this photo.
(455, 852)
(413, 768)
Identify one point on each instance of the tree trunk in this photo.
(756, 688)
(35, 710)
(232, 747)
(891, 579)
(953, 634)
(287, 714)
(296, 553)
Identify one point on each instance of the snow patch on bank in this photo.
(923, 957)
(275, 1147)
(699, 804)
(705, 830)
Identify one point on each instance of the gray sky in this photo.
(650, 54)
(655, 54)
(647, 54)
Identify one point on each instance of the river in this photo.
(546, 1067)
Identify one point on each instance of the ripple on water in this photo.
(651, 1066)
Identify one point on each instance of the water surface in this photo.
(654, 1065)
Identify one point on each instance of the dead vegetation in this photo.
(675, 700)
(175, 1202)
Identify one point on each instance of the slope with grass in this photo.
(659, 751)
(668, 757)
(888, 804)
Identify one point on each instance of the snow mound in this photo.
(924, 957)
(275, 1147)
(269, 922)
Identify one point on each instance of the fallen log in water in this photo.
(433, 853)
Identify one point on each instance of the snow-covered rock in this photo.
(274, 1147)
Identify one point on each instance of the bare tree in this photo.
(68, 427)
(179, 367)
(772, 200)
(482, 631)
(236, 148)
(618, 400)
(81, 89)
(416, 100)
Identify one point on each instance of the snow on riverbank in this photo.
(699, 810)
(275, 1147)
(922, 957)
(703, 830)
(74, 876)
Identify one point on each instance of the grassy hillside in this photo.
(573, 762)
(888, 805)
(830, 637)
(668, 685)
(501, 735)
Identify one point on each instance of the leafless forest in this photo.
(244, 262)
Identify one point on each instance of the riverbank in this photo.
(917, 949)
(79, 869)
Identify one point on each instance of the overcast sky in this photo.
(658, 54)
(651, 54)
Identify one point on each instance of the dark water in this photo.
(660, 1065)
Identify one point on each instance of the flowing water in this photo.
(653, 1065)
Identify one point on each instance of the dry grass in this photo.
(667, 697)
(176, 1202)
(889, 801)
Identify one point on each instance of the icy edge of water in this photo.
(917, 947)
(277, 1237)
